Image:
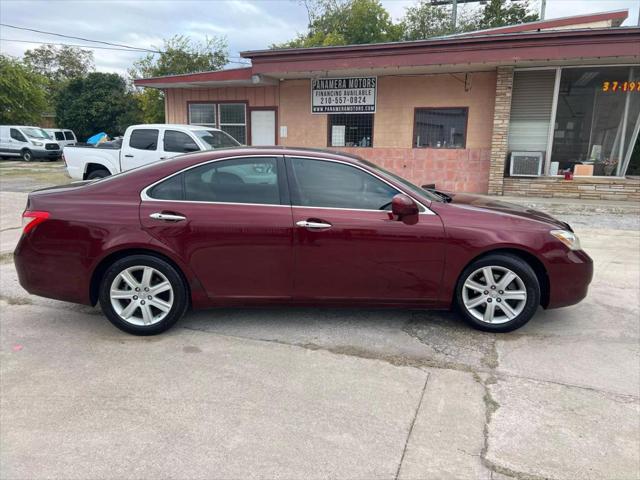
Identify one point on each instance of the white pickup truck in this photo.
(142, 144)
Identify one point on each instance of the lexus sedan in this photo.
(275, 225)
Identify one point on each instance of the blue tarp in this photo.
(96, 138)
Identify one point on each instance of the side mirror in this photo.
(405, 209)
(191, 147)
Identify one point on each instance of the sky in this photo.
(247, 25)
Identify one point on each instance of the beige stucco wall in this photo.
(398, 96)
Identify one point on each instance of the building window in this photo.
(351, 130)
(202, 114)
(231, 118)
(598, 112)
(440, 127)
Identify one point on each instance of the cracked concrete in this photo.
(326, 393)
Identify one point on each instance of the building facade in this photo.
(504, 111)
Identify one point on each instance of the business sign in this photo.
(343, 95)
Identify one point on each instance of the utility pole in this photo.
(454, 8)
(454, 14)
(543, 6)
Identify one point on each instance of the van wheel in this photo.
(498, 293)
(143, 295)
(100, 173)
(27, 156)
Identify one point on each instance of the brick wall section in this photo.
(592, 188)
(499, 138)
(458, 170)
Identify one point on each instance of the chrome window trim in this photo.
(144, 196)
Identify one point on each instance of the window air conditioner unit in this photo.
(526, 164)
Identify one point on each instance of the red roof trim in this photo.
(219, 76)
(554, 23)
(451, 41)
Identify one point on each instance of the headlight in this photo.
(570, 239)
(37, 144)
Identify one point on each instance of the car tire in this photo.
(27, 155)
(100, 173)
(144, 311)
(503, 303)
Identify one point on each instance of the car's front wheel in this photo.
(27, 156)
(143, 295)
(498, 293)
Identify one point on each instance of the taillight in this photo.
(32, 219)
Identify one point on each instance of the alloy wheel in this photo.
(141, 295)
(494, 294)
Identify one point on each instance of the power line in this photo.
(92, 47)
(123, 47)
(239, 61)
(81, 38)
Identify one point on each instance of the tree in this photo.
(425, 20)
(22, 94)
(178, 55)
(59, 64)
(499, 13)
(345, 22)
(98, 102)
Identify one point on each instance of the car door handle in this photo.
(167, 217)
(314, 225)
(129, 156)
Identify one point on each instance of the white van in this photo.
(64, 137)
(27, 142)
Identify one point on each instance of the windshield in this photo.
(33, 132)
(406, 183)
(216, 139)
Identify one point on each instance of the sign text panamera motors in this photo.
(343, 95)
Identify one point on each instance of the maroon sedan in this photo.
(291, 226)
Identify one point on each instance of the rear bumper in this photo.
(569, 279)
(61, 277)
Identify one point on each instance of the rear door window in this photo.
(68, 135)
(254, 180)
(170, 189)
(144, 139)
(179, 142)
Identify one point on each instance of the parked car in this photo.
(143, 144)
(276, 225)
(64, 137)
(26, 142)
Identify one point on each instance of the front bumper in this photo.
(46, 153)
(569, 279)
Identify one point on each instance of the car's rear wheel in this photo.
(498, 293)
(143, 295)
(100, 173)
